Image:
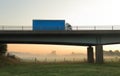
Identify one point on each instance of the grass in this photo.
(59, 69)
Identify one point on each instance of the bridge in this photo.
(89, 38)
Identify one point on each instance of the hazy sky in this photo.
(60, 49)
(76, 12)
(45, 49)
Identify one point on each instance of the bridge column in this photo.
(90, 54)
(99, 54)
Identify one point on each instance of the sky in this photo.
(46, 49)
(75, 12)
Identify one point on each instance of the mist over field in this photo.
(53, 57)
(49, 57)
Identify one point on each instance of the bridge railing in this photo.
(22, 28)
(117, 27)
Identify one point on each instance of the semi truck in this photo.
(50, 25)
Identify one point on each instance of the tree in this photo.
(53, 53)
(110, 51)
(3, 49)
(72, 53)
(116, 51)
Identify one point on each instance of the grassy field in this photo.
(81, 69)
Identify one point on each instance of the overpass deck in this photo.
(61, 32)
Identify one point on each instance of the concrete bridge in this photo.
(89, 38)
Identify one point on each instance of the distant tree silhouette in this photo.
(3, 49)
(72, 53)
(116, 51)
(53, 53)
(110, 51)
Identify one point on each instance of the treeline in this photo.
(6, 58)
(3, 49)
(112, 53)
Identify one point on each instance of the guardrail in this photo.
(22, 28)
(95, 27)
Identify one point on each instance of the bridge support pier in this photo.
(99, 54)
(90, 54)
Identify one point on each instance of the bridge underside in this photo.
(66, 38)
(51, 43)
